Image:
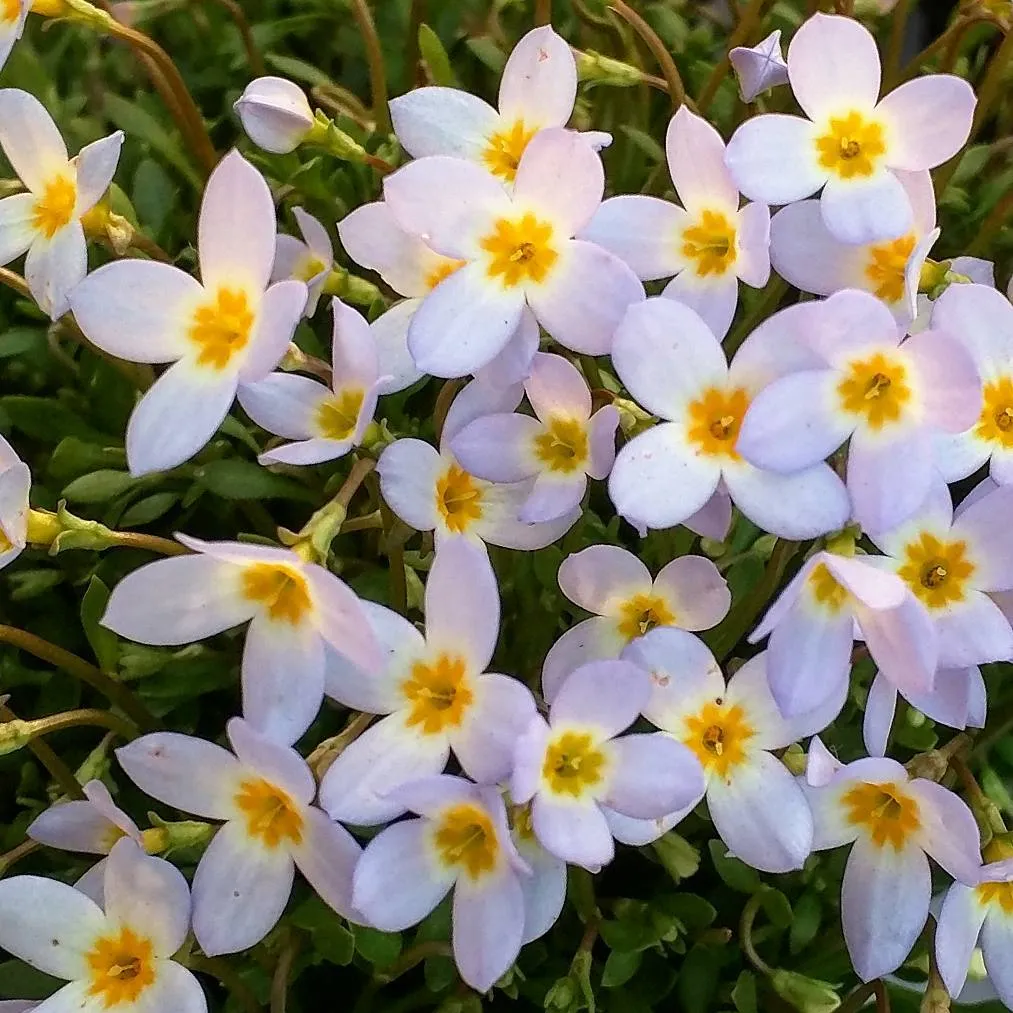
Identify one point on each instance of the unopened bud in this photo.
(795, 759)
(165, 837)
(562, 997)
(595, 68)
(102, 223)
(15, 735)
(680, 859)
(43, 527)
(275, 114)
(808, 995)
(632, 418)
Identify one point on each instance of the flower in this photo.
(263, 793)
(120, 956)
(560, 449)
(895, 824)
(806, 254)
(708, 243)
(299, 615)
(575, 768)
(517, 251)
(435, 691)
(950, 561)
(13, 15)
(544, 888)
(45, 222)
(15, 482)
(982, 321)
(232, 328)
(93, 825)
(275, 114)
(461, 842)
(309, 261)
(888, 395)
(327, 423)
(759, 68)
(755, 803)
(849, 143)
(813, 624)
(537, 90)
(430, 490)
(979, 914)
(373, 238)
(673, 365)
(688, 594)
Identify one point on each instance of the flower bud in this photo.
(276, 114)
(760, 67)
(808, 995)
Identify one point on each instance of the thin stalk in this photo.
(282, 973)
(858, 998)
(952, 37)
(882, 997)
(8, 859)
(744, 31)
(676, 89)
(143, 244)
(86, 716)
(153, 543)
(377, 68)
(543, 12)
(80, 669)
(895, 47)
(749, 913)
(416, 18)
(253, 57)
(47, 756)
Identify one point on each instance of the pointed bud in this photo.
(808, 995)
(759, 68)
(275, 113)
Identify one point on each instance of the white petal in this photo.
(772, 159)
(957, 929)
(696, 160)
(869, 210)
(284, 404)
(30, 139)
(443, 121)
(96, 164)
(54, 266)
(488, 925)
(17, 231)
(642, 231)
(539, 83)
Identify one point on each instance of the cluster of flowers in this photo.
(495, 233)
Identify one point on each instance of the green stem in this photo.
(749, 913)
(543, 12)
(659, 50)
(858, 998)
(85, 716)
(744, 31)
(47, 756)
(377, 68)
(895, 48)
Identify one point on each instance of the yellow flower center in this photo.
(308, 267)
(887, 812)
(710, 244)
(642, 613)
(55, 208)
(875, 389)
(439, 693)
(825, 588)
(564, 445)
(458, 499)
(282, 591)
(886, 266)
(337, 417)
(443, 270)
(852, 146)
(936, 571)
(995, 425)
(573, 764)
(520, 820)
(503, 153)
(221, 327)
(10, 11)
(718, 735)
(270, 813)
(121, 967)
(465, 838)
(520, 250)
(715, 420)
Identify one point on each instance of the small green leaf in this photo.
(435, 57)
(375, 947)
(744, 993)
(20, 339)
(103, 641)
(698, 979)
(232, 479)
(620, 967)
(644, 142)
(806, 923)
(98, 487)
(777, 907)
(734, 873)
(149, 509)
(331, 940)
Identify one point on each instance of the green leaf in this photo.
(74, 456)
(697, 984)
(744, 993)
(734, 873)
(776, 906)
(103, 641)
(20, 339)
(149, 509)
(232, 479)
(48, 420)
(644, 142)
(435, 57)
(331, 940)
(808, 913)
(375, 947)
(98, 487)
(694, 912)
(620, 967)
(298, 70)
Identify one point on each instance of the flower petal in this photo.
(177, 601)
(597, 638)
(695, 590)
(958, 925)
(947, 830)
(652, 775)
(275, 762)
(888, 476)
(240, 890)
(584, 298)
(602, 576)
(866, 210)
(488, 925)
(884, 905)
(237, 227)
(641, 231)
(139, 310)
(752, 262)
(544, 890)
(762, 814)
(948, 381)
(394, 362)
(484, 743)
(72, 826)
(929, 120)
(277, 318)
(48, 924)
(96, 165)
(464, 323)
(772, 159)
(833, 63)
(607, 695)
(409, 470)
(556, 387)
(284, 404)
(177, 416)
(499, 448)
(714, 299)
(54, 266)
(806, 255)
(575, 832)
(443, 121)
(398, 881)
(17, 232)
(996, 944)
(327, 856)
(539, 83)
(981, 319)
(695, 153)
(985, 525)
(189, 774)
(30, 139)
(553, 497)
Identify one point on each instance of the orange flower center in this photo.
(888, 813)
(715, 420)
(55, 208)
(337, 417)
(852, 146)
(564, 445)
(886, 266)
(710, 244)
(458, 499)
(221, 327)
(573, 764)
(270, 813)
(121, 967)
(503, 153)
(465, 838)
(282, 591)
(520, 250)
(936, 571)
(718, 735)
(995, 424)
(439, 693)
(825, 588)
(876, 389)
(642, 613)
(10, 11)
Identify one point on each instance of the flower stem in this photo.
(895, 47)
(858, 998)
(154, 543)
(744, 31)
(253, 57)
(47, 756)
(7, 859)
(85, 716)
(377, 68)
(282, 973)
(543, 12)
(676, 90)
(87, 673)
(749, 913)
